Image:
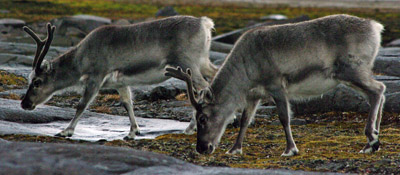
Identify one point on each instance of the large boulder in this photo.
(83, 23)
(50, 158)
(346, 99)
(388, 61)
(29, 49)
(15, 23)
(49, 120)
(231, 37)
(166, 11)
(394, 43)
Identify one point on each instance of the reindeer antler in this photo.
(39, 54)
(187, 77)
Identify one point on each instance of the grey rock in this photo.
(274, 17)
(217, 56)
(49, 120)
(3, 11)
(219, 62)
(392, 86)
(15, 23)
(121, 22)
(10, 110)
(266, 110)
(389, 52)
(388, 65)
(2, 141)
(15, 58)
(50, 158)
(394, 43)
(84, 23)
(344, 99)
(293, 121)
(167, 11)
(93, 18)
(29, 49)
(163, 92)
(262, 116)
(221, 47)
(232, 36)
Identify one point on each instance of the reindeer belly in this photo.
(151, 76)
(312, 86)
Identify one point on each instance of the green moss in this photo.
(11, 79)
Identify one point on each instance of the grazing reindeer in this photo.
(289, 62)
(119, 56)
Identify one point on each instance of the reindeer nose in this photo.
(205, 148)
(27, 105)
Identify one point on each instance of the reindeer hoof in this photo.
(137, 132)
(234, 151)
(189, 131)
(65, 133)
(132, 135)
(129, 138)
(371, 147)
(291, 152)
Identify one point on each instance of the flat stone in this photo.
(221, 47)
(231, 37)
(29, 49)
(3, 11)
(217, 56)
(50, 158)
(167, 11)
(293, 121)
(394, 43)
(49, 120)
(388, 64)
(16, 58)
(274, 17)
(266, 110)
(93, 18)
(84, 23)
(121, 22)
(15, 23)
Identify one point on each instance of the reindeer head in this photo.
(40, 87)
(210, 117)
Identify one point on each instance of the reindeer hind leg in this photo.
(126, 100)
(361, 80)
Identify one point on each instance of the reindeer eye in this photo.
(37, 83)
(203, 119)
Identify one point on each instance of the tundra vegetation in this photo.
(329, 142)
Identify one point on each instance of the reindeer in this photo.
(118, 57)
(289, 62)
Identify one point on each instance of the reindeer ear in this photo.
(206, 95)
(46, 66)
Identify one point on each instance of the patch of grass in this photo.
(7, 78)
(181, 97)
(109, 98)
(227, 18)
(102, 109)
(12, 96)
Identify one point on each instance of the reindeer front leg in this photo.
(126, 99)
(247, 114)
(283, 106)
(91, 90)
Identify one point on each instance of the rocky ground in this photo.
(328, 141)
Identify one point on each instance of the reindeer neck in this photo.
(65, 68)
(231, 83)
